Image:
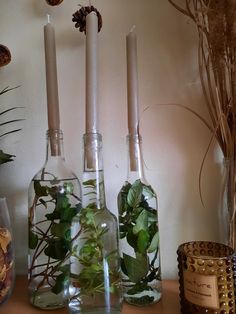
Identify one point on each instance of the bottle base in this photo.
(143, 299)
(46, 300)
(76, 308)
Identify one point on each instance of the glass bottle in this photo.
(139, 232)
(54, 199)
(7, 258)
(95, 265)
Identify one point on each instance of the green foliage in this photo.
(138, 225)
(4, 157)
(55, 242)
(92, 256)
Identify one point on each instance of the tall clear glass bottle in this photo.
(54, 199)
(95, 265)
(139, 232)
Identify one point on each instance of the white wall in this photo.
(174, 140)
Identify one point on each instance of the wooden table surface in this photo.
(18, 302)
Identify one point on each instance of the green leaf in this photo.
(143, 241)
(68, 214)
(154, 243)
(39, 189)
(60, 230)
(148, 192)
(57, 249)
(138, 288)
(33, 240)
(5, 157)
(53, 216)
(144, 300)
(90, 183)
(141, 222)
(42, 201)
(135, 194)
(132, 239)
(61, 283)
(137, 268)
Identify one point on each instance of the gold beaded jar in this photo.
(207, 273)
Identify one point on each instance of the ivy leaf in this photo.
(132, 239)
(33, 240)
(143, 241)
(39, 189)
(139, 287)
(90, 183)
(154, 243)
(135, 194)
(57, 249)
(141, 222)
(148, 192)
(61, 282)
(60, 230)
(53, 216)
(68, 214)
(137, 268)
(42, 201)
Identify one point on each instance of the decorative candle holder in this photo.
(207, 278)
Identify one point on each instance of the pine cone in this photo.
(54, 2)
(79, 17)
(5, 55)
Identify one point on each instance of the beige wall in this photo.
(174, 139)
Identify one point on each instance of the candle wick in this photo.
(48, 18)
(132, 28)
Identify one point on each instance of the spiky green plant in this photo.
(4, 157)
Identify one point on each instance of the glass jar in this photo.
(139, 232)
(54, 199)
(7, 259)
(95, 265)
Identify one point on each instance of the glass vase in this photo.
(7, 260)
(95, 265)
(139, 232)
(54, 199)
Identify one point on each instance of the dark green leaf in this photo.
(146, 299)
(148, 192)
(42, 201)
(154, 243)
(33, 240)
(141, 222)
(59, 230)
(135, 194)
(53, 216)
(132, 239)
(138, 288)
(137, 268)
(61, 283)
(123, 268)
(5, 157)
(90, 183)
(57, 249)
(39, 189)
(143, 241)
(68, 214)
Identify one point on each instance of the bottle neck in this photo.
(93, 177)
(54, 145)
(135, 158)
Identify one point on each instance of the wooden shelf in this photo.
(18, 302)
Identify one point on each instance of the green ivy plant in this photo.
(55, 242)
(4, 157)
(90, 255)
(138, 226)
